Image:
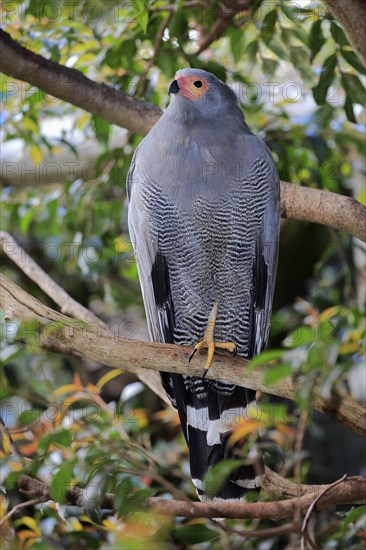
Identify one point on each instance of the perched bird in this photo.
(204, 216)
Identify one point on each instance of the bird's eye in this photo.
(197, 84)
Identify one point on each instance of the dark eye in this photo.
(197, 84)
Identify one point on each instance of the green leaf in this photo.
(348, 108)
(325, 79)
(142, 14)
(265, 357)
(194, 534)
(276, 373)
(297, 55)
(354, 89)
(353, 516)
(277, 48)
(236, 43)
(61, 483)
(269, 66)
(300, 337)
(316, 38)
(269, 25)
(60, 438)
(101, 129)
(353, 60)
(219, 473)
(338, 34)
(127, 498)
(251, 50)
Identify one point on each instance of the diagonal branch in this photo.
(72, 86)
(60, 333)
(67, 304)
(116, 107)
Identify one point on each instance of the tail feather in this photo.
(208, 418)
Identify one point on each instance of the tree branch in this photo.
(351, 14)
(352, 489)
(60, 333)
(116, 107)
(324, 207)
(72, 86)
(67, 304)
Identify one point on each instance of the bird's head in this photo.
(201, 93)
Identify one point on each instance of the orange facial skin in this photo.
(189, 89)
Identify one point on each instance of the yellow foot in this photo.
(209, 343)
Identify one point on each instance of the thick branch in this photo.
(352, 489)
(324, 207)
(60, 333)
(72, 86)
(351, 14)
(297, 202)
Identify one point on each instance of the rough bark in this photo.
(351, 14)
(72, 86)
(60, 333)
(352, 489)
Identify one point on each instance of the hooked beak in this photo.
(173, 88)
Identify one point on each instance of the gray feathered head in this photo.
(201, 93)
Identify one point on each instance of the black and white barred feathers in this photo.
(204, 218)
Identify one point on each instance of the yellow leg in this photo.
(209, 342)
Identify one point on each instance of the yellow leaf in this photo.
(244, 429)
(30, 125)
(67, 388)
(3, 506)
(6, 443)
(76, 525)
(112, 526)
(108, 377)
(362, 196)
(15, 466)
(348, 348)
(35, 153)
(29, 522)
(328, 313)
(26, 534)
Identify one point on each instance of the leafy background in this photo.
(301, 88)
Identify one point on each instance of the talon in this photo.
(192, 355)
(209, 342)
(235, 352)
(205, 371)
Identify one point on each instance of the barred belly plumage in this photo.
(210, 251)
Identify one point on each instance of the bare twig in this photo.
(68, 305)
(298, 444)
(159, 39)
(19, 506)
(267, 533)
(314, 503)
(56, 331)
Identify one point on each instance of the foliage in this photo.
(302, 89)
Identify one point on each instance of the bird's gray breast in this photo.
(205, 216)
